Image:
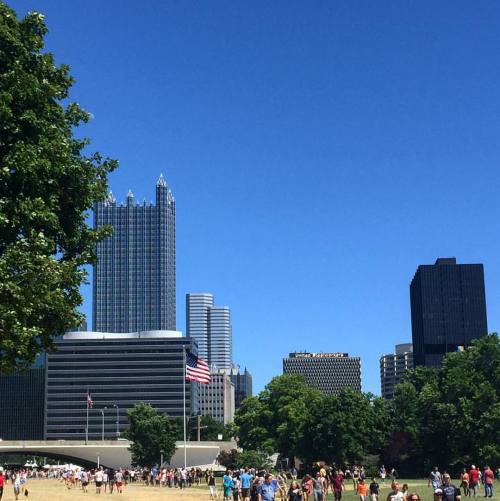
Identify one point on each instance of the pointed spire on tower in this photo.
(130, 197)
(161, 181)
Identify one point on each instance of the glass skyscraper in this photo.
(210, 326)
(448, 309)
(134, 278)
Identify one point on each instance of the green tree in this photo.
(228, 458)
(340, 428)
(451, 416)
(47, 186)
(152, 434)
(272, 421)
(252, 459)
(210, 428)
(252, 420)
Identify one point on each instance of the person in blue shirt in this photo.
(246, 482)
(227, 485)
(267, 490)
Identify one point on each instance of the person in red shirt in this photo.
(488, 482)
(473, 480)
(2, 482)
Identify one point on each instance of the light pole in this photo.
(102, 412)
(117, 421)
(161, 458)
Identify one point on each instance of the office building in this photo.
(211, 327)
(329, 372)
(118, 370)
(197, 306)
(134, 278)
(393, 367)
(242, 384)
(22, 404)
(217, 398)
(448, 309)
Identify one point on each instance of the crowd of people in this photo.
(19, 480)
(250, 484)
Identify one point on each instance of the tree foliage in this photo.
(152, 434)
(448, 416)
(252, 459)
(47, 186)
(227, 458)
(210, 429)
(273, 420)
(343, 428)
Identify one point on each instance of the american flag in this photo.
(197, 369)
(90, 403)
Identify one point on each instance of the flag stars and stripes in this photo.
(197, 369)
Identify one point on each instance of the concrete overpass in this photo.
(111, 454)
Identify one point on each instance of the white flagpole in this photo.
(184, 403)
(87, 427)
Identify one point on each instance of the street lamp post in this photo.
(102, 413)
(161, 458)
(117, 421)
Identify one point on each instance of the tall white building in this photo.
(217, 399)
(393, 368)
(211, 327)
(197, 306)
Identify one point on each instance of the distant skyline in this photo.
(318, 154)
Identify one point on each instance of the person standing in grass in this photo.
(119, 481)
(489, 477)
(227, 485)
(307, 487)
(374, 488)
(267, 490)
(435, 478)
(84, 477)
(405, 490)
(295, 492)
(212, 485)
(395, 494)
(16, 482)
(319, 487)
(362, 490)
(337, 483)
(464, 481)
(98, 481)
(382, 473)
(473, 481)
(449, 491)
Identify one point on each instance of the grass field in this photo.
(53, 490)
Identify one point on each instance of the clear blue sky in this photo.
(318, 152)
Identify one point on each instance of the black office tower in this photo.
(448, 309)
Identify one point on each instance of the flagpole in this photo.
(87, 427)
(184, 402)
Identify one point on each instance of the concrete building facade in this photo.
(393, 367)
(329, 372)
(217, 399)
(117, 370)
